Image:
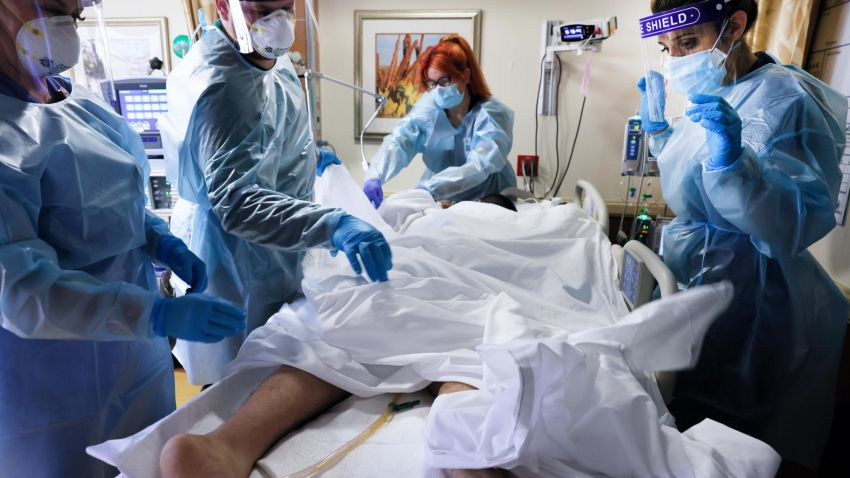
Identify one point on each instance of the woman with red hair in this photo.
(462, 131)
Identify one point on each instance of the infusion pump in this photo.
(159, 191)
(142, 102)
(637, 160)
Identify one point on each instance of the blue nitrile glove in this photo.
(660, 99)
(354, 236)
(197, 318)
(174, 254)
(723, 129)
(326, 158)
(372, 190)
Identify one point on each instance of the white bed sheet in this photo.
(516, 300)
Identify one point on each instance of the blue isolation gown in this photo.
(769, 365)
(79, 362)
(464, 163)
(247, 166)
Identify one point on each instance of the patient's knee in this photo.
(443, 388)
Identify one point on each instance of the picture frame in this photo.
(132, 43)
(387, 45)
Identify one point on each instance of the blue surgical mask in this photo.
(447, 97)
(701, 72)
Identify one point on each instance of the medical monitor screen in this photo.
(142, 108)
(631, 276)
(577, 33)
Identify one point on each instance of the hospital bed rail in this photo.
(666, 281)
(662, 274)
(590, 201)
(587, 199)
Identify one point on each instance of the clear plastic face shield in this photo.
(683, 54)
(266, 28)
(40, 39)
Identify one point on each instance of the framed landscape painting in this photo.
(388, 46)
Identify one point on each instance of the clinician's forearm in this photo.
(155, 229)
(485, 160)
(455, 181)
(38, 300)
(276, 220)
(658, 141)
(390, 160)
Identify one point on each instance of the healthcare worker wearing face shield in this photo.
(247, 165)
(83, 351)
(752, 173)
(462, 131)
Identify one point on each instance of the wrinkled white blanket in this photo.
(523, 306)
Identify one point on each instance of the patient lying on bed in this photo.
(519, 314)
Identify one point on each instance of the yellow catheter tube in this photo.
(334, 458)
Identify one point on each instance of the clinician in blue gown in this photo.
(752, 174)
(238, 130)
(463, 132)
(83, 353)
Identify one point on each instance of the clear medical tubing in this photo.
(334, 458)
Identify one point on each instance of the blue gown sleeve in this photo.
(492, 139)
(155, 229)
(231, 147)
(783, 193)
(406, 141)
(40, 300)
(658, 142)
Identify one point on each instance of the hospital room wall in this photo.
(834, 253)
(510, 56)
(510, 62)
(171, 9)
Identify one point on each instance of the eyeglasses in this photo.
(444, 81)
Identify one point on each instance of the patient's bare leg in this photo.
(437, 389)
(288, 398)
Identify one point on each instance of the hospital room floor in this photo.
(184, 391)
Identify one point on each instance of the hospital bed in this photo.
(396, 449)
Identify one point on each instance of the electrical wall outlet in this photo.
(528, 166)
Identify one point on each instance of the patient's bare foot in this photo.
(198, 455)
(488, 473)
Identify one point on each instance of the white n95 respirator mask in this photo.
(48, 46)
(273, 35)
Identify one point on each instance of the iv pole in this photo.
(309, 75)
